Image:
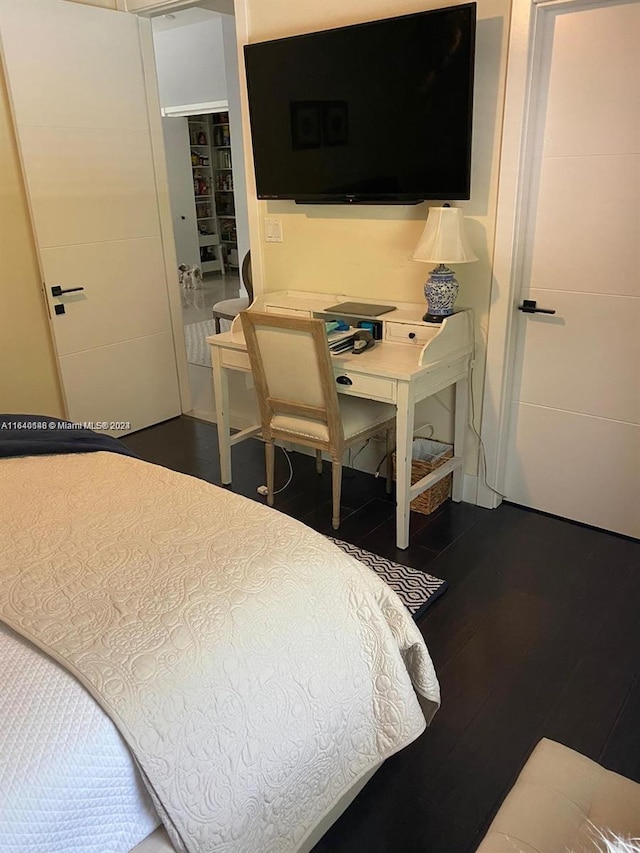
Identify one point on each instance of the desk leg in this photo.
(221, 396)
(404, 440)
(459, 435)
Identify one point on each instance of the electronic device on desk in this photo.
(372, 326)
(346, 322)
(360, 309)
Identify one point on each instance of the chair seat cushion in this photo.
(230, 308)
(558, 803)
(357, 416)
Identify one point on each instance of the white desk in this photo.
(413, 361)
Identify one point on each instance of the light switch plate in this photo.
(273, 230)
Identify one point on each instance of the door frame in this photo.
(241, 15)
(164, 211)
(525, 72)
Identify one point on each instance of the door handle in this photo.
(56, 290)
(529, 307)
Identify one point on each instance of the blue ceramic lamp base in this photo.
(440, 291)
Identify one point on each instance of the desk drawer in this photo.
(370, 387)
(236, 359)
(408, 333)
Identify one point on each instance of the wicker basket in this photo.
(430, 499)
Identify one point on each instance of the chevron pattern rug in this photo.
(417, 590)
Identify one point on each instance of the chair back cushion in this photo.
(293, 375)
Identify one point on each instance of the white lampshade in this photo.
(443, 240)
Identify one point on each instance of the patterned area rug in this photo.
(195, 335)
(417, 590)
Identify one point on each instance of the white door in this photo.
(574, 444)
(77, 88)
(180, 176)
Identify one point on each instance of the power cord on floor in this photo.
(350, 461)
(263, 490)
(380, 464)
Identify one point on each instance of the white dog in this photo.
(190, 277)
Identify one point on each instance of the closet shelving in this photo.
(202, 166)
(224, 200)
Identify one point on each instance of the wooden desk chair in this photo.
(296, 390)
(228, 309)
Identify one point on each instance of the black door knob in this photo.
(56, 290)
(529, 307)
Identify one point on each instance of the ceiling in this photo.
(204, 11)
(224, 6)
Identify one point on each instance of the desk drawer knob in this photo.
(412, 335)
(344, 380)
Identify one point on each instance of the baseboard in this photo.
(202, 415)
(470, 488)
(238, 421)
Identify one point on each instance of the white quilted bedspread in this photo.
(67, 779)
(254, 669)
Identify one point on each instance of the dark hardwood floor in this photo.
(537, 636)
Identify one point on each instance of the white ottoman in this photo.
(557, 800)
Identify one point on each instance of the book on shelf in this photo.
(221, 134)
(224, 183)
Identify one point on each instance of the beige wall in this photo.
(361, 251)
(364, 251)
(28, 375)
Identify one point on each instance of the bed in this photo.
(182, 668)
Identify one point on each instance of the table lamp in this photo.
(443, 242)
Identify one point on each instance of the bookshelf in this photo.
(224, 200)
(202, 167)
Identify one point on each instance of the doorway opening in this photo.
(197, 71)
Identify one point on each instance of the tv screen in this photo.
(375, 112)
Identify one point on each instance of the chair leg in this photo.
(270, 451)
(216, 321)
(319, 461)
(336, 488)
(389, 460)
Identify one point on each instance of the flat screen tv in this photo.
(374, 113)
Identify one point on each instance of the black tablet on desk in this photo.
(360, 309)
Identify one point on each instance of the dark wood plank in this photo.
(447, 524)
(353, 523)
(621, 752)
(590, 704)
